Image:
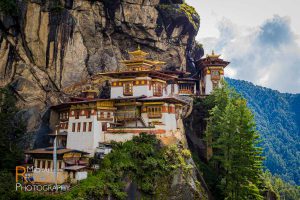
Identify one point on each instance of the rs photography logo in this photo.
(25, 180)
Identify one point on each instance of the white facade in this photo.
(117, 91)
(87, 140)
(208, 84)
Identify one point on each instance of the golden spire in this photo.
(138, 52)
(213, 55)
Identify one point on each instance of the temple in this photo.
(211, 71)
(144, 98)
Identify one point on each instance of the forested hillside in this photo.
(278, 120)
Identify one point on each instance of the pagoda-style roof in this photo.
(170, 99)
(133, 74)
(211, 60)
(138, 53)
(76, 100)
(138, 62)
(49, 150)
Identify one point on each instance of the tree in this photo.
(12, 129)
(232, 135)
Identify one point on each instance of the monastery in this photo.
(144, 98)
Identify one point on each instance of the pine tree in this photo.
(232, 135)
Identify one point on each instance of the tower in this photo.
(211, 72)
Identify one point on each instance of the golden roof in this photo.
(213, 55)
(139, 59)
(138, 53)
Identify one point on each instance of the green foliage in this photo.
(12, 128)
(176, 10)
(7, 185)
(142, 161)
(232, 135)
(281, 189)
(277, 116)
(190, 13)
(8, 7)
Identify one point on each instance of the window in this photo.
(48, 164)
(67, 125)
(78, 127)
(101, 115)
(44, 164)
(108, 115)
(84, 127)
(88, 114)
(59, 164)
(104, 126)
(172, 88)
(90, 126)
(74, 175)
(77, 114)
(215, 74)
(127, 89)
(73, 127)
(154, 112)
(157, 89)
(38, 164)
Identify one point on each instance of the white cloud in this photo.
(267, 55)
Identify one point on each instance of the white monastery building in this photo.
(144, 98)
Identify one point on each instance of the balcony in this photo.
(154, 115)
(186, 91)
(126, 115)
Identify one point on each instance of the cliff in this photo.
(46, 45)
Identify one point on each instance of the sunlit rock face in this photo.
(46, 46)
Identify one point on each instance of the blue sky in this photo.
(259, 38)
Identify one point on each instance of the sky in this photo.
(261, 39)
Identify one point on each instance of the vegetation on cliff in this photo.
(141, 167)
(12, 129)
(231, 133)
(8, 7)
(277, 116)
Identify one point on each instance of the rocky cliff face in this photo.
(48, 45)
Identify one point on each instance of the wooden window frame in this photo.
(104, 126)
(43, 164)
(157, 89)
(84, 127)
(73, 127)
(154, 112)
(77, 114)
(78, 127)
(48, 164)
(38, 163)
(128, 89)
(88, 114)
(215, 75)
(90, 126)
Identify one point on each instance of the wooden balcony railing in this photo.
(154, 115)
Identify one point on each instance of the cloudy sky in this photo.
(261, 39)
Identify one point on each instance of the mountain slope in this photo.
(278, 120)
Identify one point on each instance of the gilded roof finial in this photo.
(139, 47)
